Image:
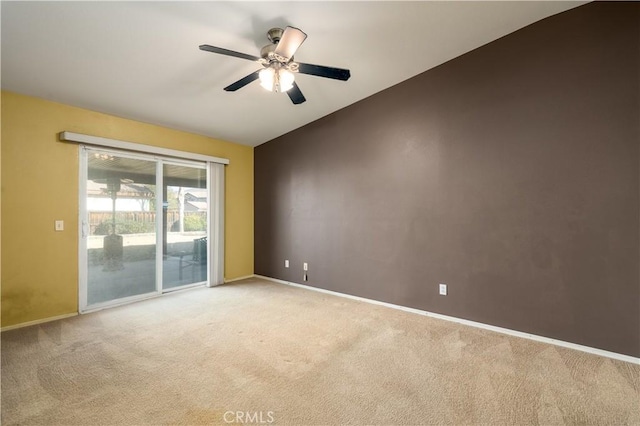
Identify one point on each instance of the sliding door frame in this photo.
(83, 258)
(215, 175)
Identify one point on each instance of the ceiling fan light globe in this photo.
(267, 78)
(286, 80)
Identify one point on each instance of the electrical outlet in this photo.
(304, 277)
(443, 289)
(305, 266)
(286, 263)
(59, 225)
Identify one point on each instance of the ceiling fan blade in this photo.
(290, 41)
(296, 95)
(228, 52)
(243, 82)
(322, 71)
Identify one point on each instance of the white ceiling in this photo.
(140, 60)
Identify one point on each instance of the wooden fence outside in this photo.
(98, 218)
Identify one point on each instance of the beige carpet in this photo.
(263, 353)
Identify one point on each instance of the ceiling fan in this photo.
(278, 70)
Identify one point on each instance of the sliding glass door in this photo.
(184, 225)
(145, 226)
(121, 240)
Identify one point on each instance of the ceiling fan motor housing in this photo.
(271, 59)
(268, 52)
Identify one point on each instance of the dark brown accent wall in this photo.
(510, 173)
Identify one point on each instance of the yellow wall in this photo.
(40, 184)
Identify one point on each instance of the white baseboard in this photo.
(239, 278)
(556, 342)
(275, 280)
(36, 322)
